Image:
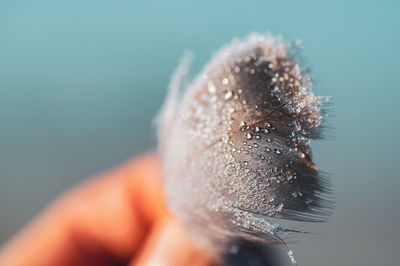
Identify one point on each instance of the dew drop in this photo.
(234, 249)
(271, 199)
(225, 81)
(228, 95)
(249, 136)
(290, 254)
(211, 87)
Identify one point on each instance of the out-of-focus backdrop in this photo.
(81, 81)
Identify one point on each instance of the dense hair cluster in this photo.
(235, 148)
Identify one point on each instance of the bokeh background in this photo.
(81, 81)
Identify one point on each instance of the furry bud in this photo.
(235, 148)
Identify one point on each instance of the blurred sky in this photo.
(81, 81)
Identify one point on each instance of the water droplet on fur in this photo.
(290, 254)
(228, 95)
(211, 87)
(249, 136)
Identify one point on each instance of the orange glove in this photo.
(117, 218)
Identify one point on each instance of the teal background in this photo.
(81, 81)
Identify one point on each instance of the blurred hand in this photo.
(117, 218)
